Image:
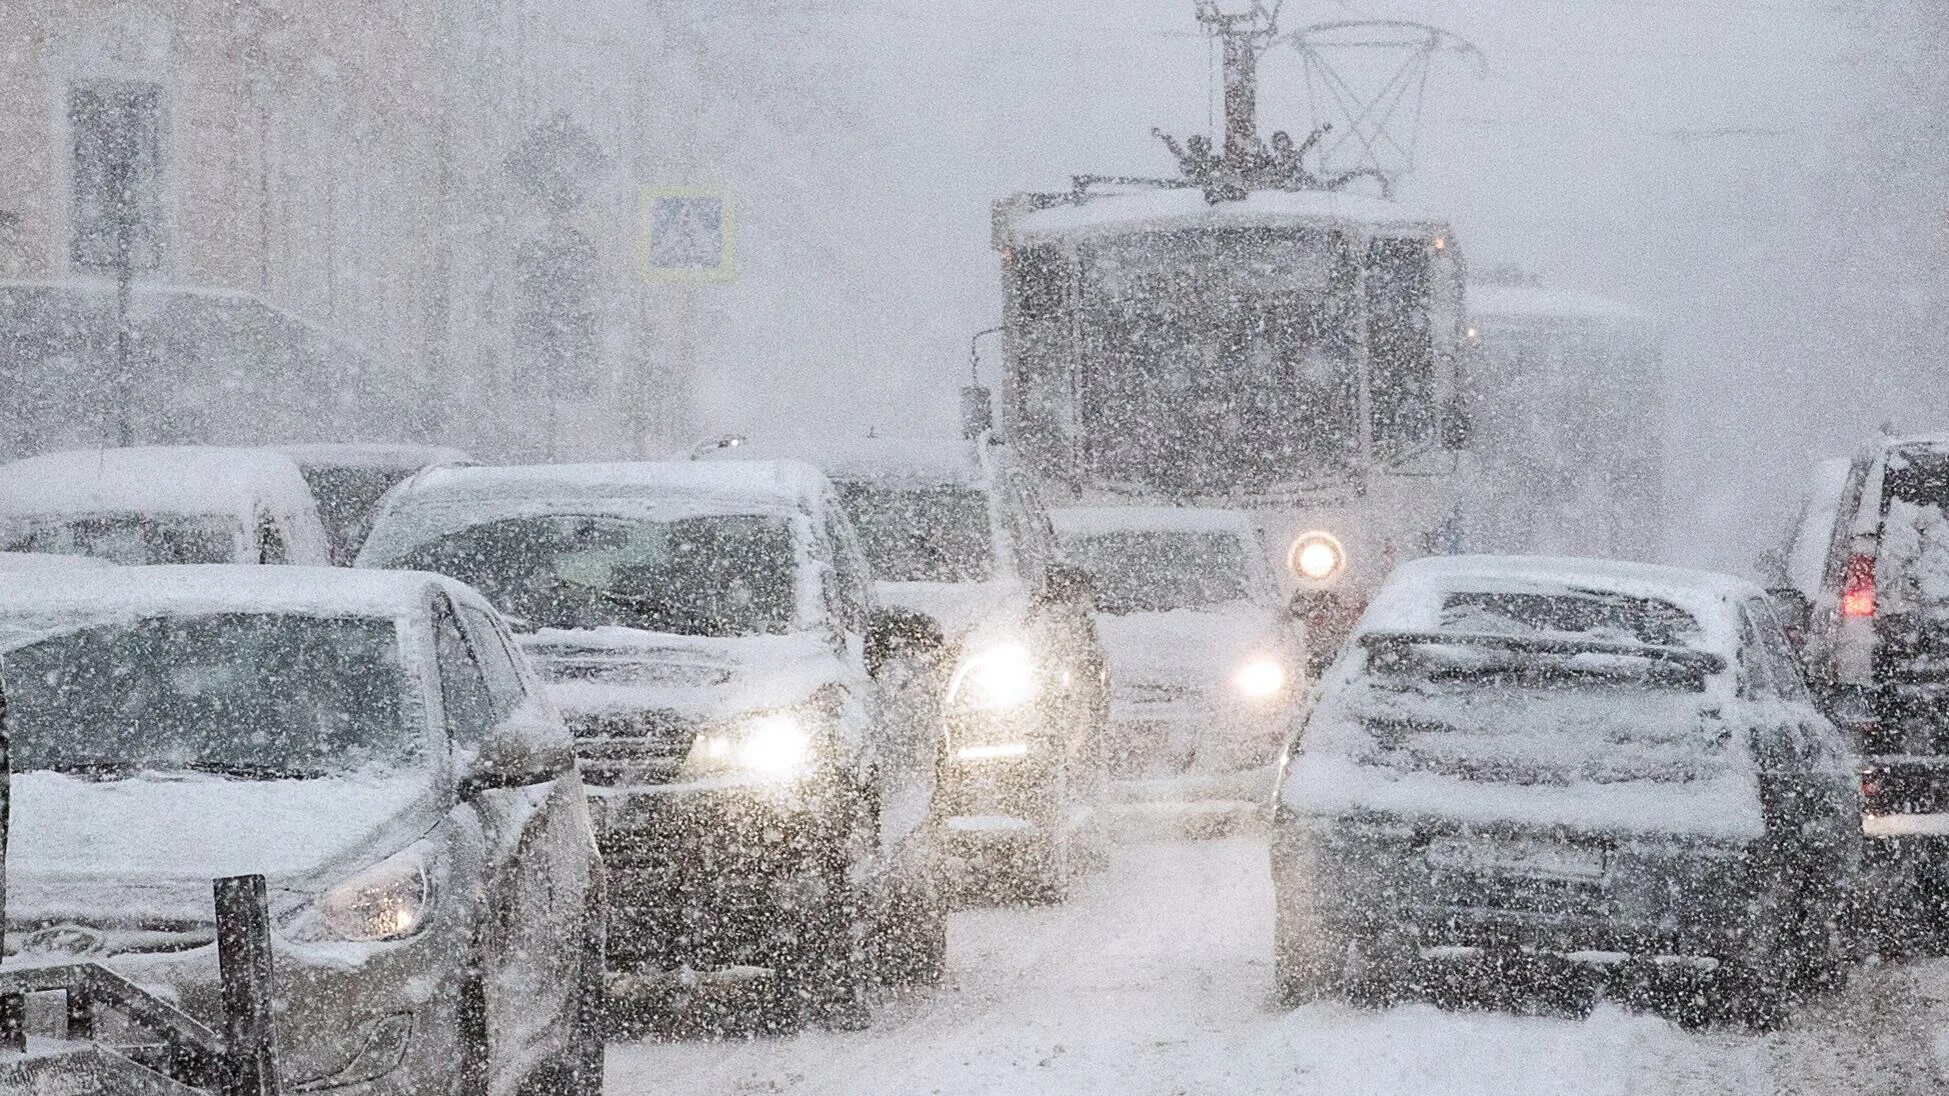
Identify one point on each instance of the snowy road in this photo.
(1154, 980)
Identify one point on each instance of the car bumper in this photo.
(699, 875)
(1384, 881)
(370, 1020)
(1191, 735)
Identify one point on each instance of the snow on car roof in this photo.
(772, 485)
(185, 479)
(1527, 302)
(936, 461)
(1186, 207)
(224, 588)
(371, 455)
(1412, 598)
(1095, 521)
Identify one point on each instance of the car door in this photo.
(1809, 781)
(1069, 622)
(535, 850)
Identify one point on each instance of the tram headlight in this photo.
(1317, 556)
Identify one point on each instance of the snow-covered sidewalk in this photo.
(1154, 980)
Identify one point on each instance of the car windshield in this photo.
(1157, 572)
(346, 498)
(250, 695)
(717, 576)
(915, 534)
(130, 538)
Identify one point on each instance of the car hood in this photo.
(616, 670)
(960, 608)
(1185, 646)
(145, 848)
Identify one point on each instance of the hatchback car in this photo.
(348, 479)
(710, 633)
(162, 505)
(1586, 762)
(949, 531)
(1206, 665)
(374, 746)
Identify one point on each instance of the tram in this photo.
(1566, 394)
(1287, 351)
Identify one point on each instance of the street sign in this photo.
(688, 234)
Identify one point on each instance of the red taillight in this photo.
(1858, 586)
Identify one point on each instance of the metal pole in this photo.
(1241, 92)
(244, 962)
(122, 202)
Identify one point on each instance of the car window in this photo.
(848, 594)
(464, 691)
(506, 689)
(1769, 654)
(1033, 540)
(270, 542)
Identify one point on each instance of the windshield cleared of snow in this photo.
(922, 534)
(1143, 572)
(704, 576)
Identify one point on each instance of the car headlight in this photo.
(1259, 678)
(388, 901)
(995, 679)
(1316, 556)
(774, 745)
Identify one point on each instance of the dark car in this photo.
(764, 797)
(951, 532)
(1571, 762)
(348, 480)
(1866, 574)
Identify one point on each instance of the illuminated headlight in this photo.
(773, 746)
(1260, 678)
(995, 679)
(1316, 556)
(388, 901)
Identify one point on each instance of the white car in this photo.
(162, 505)
(1206, 665)
(373, 745)
(711, 634)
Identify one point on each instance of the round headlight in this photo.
(1260, 678)
(1316, 556)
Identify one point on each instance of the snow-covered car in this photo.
(1206, 668)
(950, 532)
(710, 632)
(162, 505)
(1569, 760)
(371, 743)
(1868, 565)
(348, 479)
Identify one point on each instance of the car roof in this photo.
(1091, 521)
(768, 485)
(43, 562)
(1153, 210)
(919, 461)
(401, 456)
(184, 479)
(1411, 599)
(227, 588)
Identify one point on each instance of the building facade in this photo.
(337, 218)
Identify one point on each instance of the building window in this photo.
(116, 130)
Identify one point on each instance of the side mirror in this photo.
(977, 411)
(1796, 613)
(1067, 583)
(517, 753)
(896, 634)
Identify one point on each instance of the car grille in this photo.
(651, 725)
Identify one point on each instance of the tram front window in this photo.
(1227, 375)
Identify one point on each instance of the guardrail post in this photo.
(13, 1023)
(244, 956)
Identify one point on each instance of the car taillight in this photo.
(1858, 586)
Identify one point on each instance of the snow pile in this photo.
(1914, 560)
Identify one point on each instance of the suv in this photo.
(951, 532)
(1571, 764)
(736, 695)
(371, 743)
(1866, 571)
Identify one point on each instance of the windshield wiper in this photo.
(244, 771)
